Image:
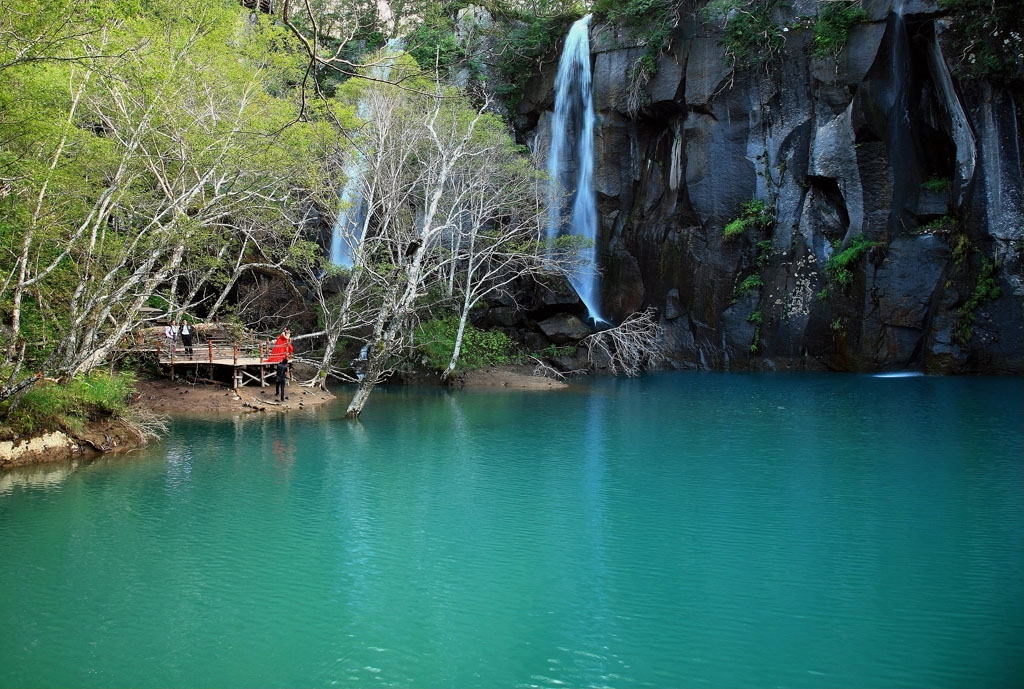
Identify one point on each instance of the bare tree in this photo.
(448, 205)
(498, 215)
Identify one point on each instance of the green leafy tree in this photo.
(164, 133)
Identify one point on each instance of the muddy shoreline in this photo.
(184, 399)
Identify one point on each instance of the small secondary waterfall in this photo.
(574, 115)
(348, 227)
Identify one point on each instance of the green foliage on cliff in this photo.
(987, 37)
(480, 348)
(757, 318)
(985, 289)
(839, 268)
(747, 285)
(753, 213)
(652, 21)
(750, 33)
(835, 20)
(529, 41)
(433, 43)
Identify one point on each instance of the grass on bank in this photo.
(68, 406)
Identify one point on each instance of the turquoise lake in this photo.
(676, 530)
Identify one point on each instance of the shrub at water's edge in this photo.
(480, 348)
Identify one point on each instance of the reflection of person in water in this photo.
(283, 348)
(283, 446)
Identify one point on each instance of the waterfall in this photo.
(345, 236)
(347, 232)
(574, 114)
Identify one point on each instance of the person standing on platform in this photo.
(186, 337)
(282, 378)
(283, 348)
(171, 333)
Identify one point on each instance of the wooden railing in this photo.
(207, 348)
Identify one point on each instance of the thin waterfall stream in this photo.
(347, 233)
(572, 151)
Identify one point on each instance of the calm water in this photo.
(677, 530)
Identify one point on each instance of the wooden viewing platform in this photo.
(243, 364)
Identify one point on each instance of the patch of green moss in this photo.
(753, 213)
(839, 268)
(938, 185)
(941, 225)
(749, 284)
(985, 289)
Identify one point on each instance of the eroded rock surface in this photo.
(882, 141)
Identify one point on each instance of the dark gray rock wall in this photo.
(837, 148)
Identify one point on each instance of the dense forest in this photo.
(188, 159)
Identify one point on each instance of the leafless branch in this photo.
(629, 348)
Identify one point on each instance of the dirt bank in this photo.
(515, 377)
(96, 437)
(179, 398)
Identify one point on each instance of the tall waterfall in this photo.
(572, 149)
(348, 227)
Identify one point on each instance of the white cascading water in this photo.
(574, 114)
(346, 234)
(348, 227)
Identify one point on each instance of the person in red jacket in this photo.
(283, 348)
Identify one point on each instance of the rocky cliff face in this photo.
(880, 149)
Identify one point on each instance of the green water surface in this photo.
(679, 530)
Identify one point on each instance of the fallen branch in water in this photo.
(145, 423)
(542, 369)
(629, 348)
